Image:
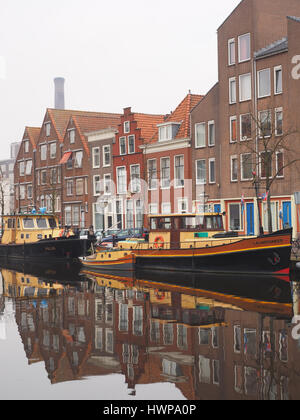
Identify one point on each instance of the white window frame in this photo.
(95, 151)
(230, 42)
(107, 180)
(165, 205)
(43, 147)
(52, 155)
(132, 181)
(48, 129)
(259, 83)
(198, 181)
(231, 119)
(202, 146)
(269, 111)
(231, 101)
(117, 170)
(239, 48)
(148, 179)
(125, 140)
(26, 146)
(241, 163)
(241, 216)
(105, 165)
(68, 183)
(260, 165)
(209, 171)
(276, 69)
(161, 186)
(96, 194)
(153, 206)
(177, 185)
(130, 152)
(234, 157)
(241, 127)
(127, 127)
(72, 136)
(209, 125)
(240, 88)
(179, 205)
(277, 111)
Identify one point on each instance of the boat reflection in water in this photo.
(210, 344)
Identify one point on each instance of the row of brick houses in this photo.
(111, 170)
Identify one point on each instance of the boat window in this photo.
(200, 223)
(28, 223)
(214, 223)
(153, 223)
(41, 223)
(209, 224)
(52, 222)
(11, 223)
(187, 222)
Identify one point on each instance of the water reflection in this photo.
(184, 331)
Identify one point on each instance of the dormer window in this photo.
(168, 131)
(48, 129)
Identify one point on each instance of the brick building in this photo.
(129, 167)
(256, 93)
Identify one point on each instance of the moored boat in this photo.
(198, 243)
(38, 237)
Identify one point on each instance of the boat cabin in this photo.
(178, 229)
(29, 228)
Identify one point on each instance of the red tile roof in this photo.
(147, 123)
(33, 135)
(181, 115)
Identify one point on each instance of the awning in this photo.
(65, 158)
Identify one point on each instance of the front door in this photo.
(250, 219)
(287, 214)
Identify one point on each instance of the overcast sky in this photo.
(113, 54)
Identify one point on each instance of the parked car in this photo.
(122, 235)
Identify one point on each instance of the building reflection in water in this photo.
(210, 345)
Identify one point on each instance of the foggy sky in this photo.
(113, 54)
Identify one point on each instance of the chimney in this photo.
(59, 102)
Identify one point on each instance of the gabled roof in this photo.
(89, 123)
(275, 48)
(33, 135)
(181, 115)
(60, 118)
(147, 123)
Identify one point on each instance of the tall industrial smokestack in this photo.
(59, 102)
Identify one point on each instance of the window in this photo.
(22, 192)
(43, 177)
(200, 135)
(79, 186)
(152, 174)
(72, 136)
(153, 208)
(22, 168)
(265, 124)
(107, 184)
(127, 127)
(182, 205)
(232, 90)
(233, 129)
(250, 342)
(166, 208)
(246, 167)
(53, 176)
(204, 370)
(48, 129)
(234, 168)
(43, 151)
(245, 87)
(131, 146)
(135, 178)
(211, 133)
(97, 185)
(69, 187)
(279, 164)
(265, 164)
(212, 171)
(106, 155)
(278, 122)
(78, 159)
(26, 146)
(165, 133)
(139, 212)
(235, 219)
(29, 191)
(52, 150)
(278, 80)
(165, 172)
(76, 215)
(96, 157)
(121, 180)
(264, 83)
(231, 52)
(237, 339)
(246, 127)
(275, 216)
(122, 145)
(179, 171)
(244, 48)
(129, 214)
(201, 171)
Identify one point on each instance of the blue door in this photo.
(250, 219)
(217, 208)
(287, 214)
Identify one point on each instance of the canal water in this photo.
(66, 334)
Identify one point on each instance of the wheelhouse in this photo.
(187, 222)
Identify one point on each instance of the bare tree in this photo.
(268, 146)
